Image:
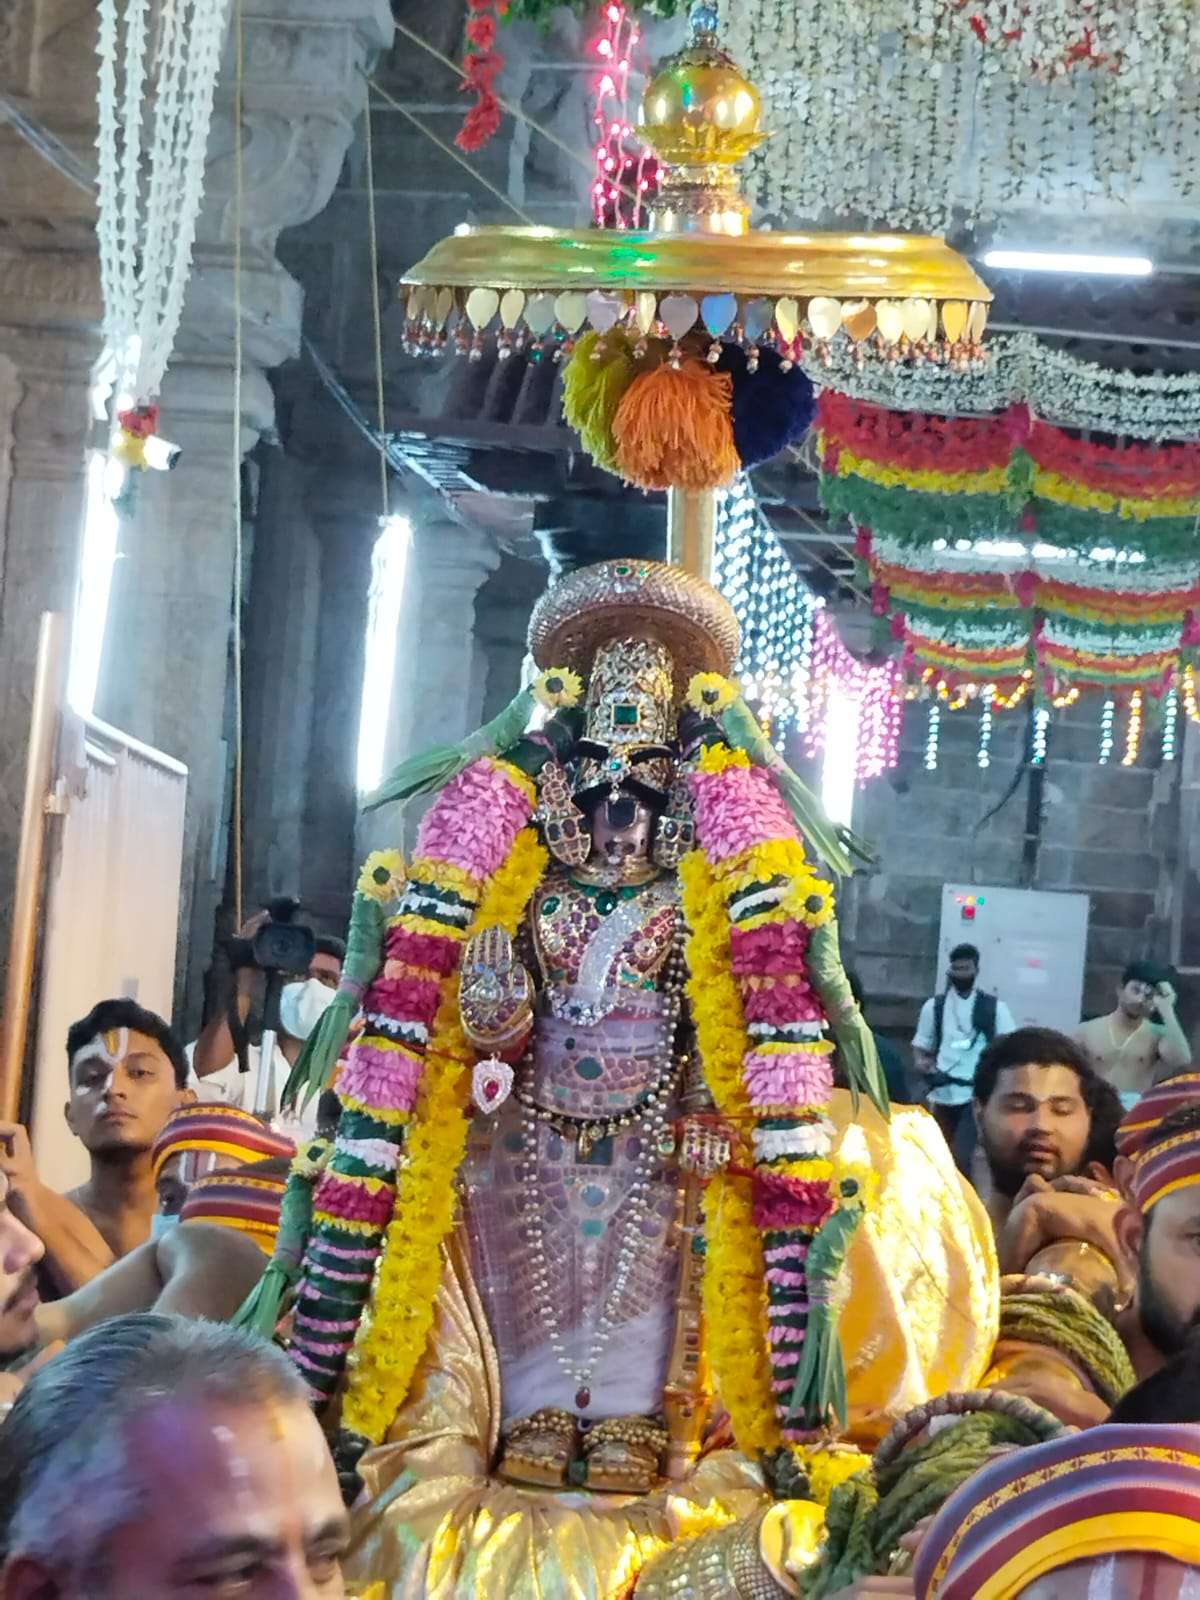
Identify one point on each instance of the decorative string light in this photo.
(931, 736)
(1107, 718)
(1170, 723)
(775, 612)
(625, 172)
(1133, 730)
(1039, 736)
(841, 687)
(1009, 702)
(1067, 699)
(985, 724)
(1189, 694)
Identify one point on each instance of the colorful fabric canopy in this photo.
(1002, 546)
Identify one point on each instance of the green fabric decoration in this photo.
(433, 769)
(855, 1041)
(323, 1048)
(819, 1393)
(916, 516)
(836, 846)
(870, 1513)
(264, 1305)
(1064, 1320)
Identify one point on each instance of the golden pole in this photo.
(27, 894)
(692, 530)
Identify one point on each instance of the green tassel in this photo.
(264, 1305)
(855, 1041)
(838, 847)
(433, 769)
(323, 1047)
(819, 1392)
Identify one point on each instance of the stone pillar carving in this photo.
(439, 675)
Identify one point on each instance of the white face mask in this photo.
(302, 1005)
(161, 1224)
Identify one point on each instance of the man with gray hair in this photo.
(160, 1458)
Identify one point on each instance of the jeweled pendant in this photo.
(491, 1084)
(583, 1397)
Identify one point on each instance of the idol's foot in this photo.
(624, 1455)
(539, 1449)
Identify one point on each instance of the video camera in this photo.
(280, 945)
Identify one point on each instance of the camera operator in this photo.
(303, 1000)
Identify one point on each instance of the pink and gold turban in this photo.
(219, 1130)
(1077, 1498)
(1163, 1168)
(247, 1202)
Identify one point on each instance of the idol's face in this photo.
(622, 831)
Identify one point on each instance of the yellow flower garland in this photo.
(994, 480)
(712, 988)
(393, 1337)
(735, 1314)
(383, 876)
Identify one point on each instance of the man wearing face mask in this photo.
(952, 1033)
(302, 1003)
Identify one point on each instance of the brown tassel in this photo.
(674, 429)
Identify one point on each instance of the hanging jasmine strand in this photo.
(985, 724)
(1170, 724)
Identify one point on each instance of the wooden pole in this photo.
(692, 530)
(27, 895)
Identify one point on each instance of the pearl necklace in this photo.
(636, 1205)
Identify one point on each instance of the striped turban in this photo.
(1081, 1497)
(1173, 1163)
(219, 1130)
(1158, 1102)
(249, 1202)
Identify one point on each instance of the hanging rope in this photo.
(236, 473)
(455, 155)
(377, 316)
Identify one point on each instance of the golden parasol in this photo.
(699, 289)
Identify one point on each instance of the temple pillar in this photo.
(439, 673)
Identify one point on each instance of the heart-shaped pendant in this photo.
(604, 310)
(511, 307)
(491, 1084)
(824, 316)
(787, 319)
(443, 306)
(891, 321)
(717, 312)
(860, 319)
(646, 310)
(679, 313)
(915, 315)
(978, 322)
(571, 310)
(482, 306)
(759, 316)
(954, 320)
(539, 314)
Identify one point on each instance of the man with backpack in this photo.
(953, 1031)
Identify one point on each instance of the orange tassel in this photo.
(674, 429)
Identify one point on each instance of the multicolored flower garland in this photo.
(762, 1035)
(1000, 544)
(410, 1020)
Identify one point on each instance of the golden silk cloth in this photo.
(920, 1310)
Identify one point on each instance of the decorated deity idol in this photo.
(596, 1212)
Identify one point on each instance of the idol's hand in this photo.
(495, 992)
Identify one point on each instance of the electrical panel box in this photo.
(1032, 947)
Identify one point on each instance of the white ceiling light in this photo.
(1059, 261)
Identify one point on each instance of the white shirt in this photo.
(961, 1046)
(237, 1088)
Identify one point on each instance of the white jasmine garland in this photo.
(807, 1140)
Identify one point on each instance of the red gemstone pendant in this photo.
(583, 1397)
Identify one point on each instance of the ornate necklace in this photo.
(588, 1131)
(654, 1115)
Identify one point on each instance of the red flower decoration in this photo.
(482, 66)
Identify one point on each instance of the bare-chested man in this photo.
(1141, 1041)
(127, 1073)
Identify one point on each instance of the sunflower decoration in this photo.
(710, 694)
(383, 876)
(558, 689)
